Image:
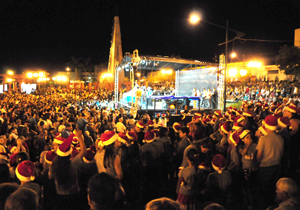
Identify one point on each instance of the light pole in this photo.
(195, 19)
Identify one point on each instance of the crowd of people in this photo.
(271, 91)
(74, 150)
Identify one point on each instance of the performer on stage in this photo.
(214, 98)
(194, 101)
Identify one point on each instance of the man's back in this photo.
(272, 147)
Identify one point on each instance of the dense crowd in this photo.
(271, 91)
(72, 150)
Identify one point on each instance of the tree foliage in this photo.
(288, 59)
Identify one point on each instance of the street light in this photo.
(233, 55)
(194, 19)
(10, 72)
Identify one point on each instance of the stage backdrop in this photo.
(186, 81)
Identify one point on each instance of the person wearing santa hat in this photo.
(64, 171)
(291, 113)
(139, 129)
(163, 120)
(189, 181)
(218, 182)
(283, 131)
(269, 153)
(25, 172)
(217, 116)
(109, 162)
(150, 157)
(248, 152)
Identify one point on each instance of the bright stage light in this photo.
(29, 75)
(243, 72)
(35, 74)
(254, 64)
(232, 72)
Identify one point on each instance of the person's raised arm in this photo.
(80, 138)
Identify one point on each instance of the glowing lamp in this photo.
(232, 72)
(10, 72)
(172, 106)
(41, 74)
(243, 72)
(194, 18)
(35, 74)
(29, 75)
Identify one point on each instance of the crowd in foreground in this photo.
(65, 152)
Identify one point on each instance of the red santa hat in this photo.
(150, 123)
(218, 113)
(59, 139)
(265, 106)
(49, 157)
(123, 138)
(226, 127)
(132, 136)
(291, 108)
(234, 138)
(89, 156)
(237, 126)
(262, 129)
(219, 163)
(177, 126)
(209, 117)
(158, 115)
(149, 137)
(239, 112)
(140, 124)
(272, 109)
(205, 121)
(271, 122)
(163, 115)
(93, 148)
(247, 114)
(25, 171)
(284, 122)
(75, 151)
(65, 149)
(157, 133)
(75, 140)
(244, 133)
(241, 118)
(258, 103)
(197, 116)
(107, 138)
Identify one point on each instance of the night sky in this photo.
(46, 33)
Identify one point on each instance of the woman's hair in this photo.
(61, 169)
(163, 131)
(193, 156)
(162, 204)
(109, 155)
